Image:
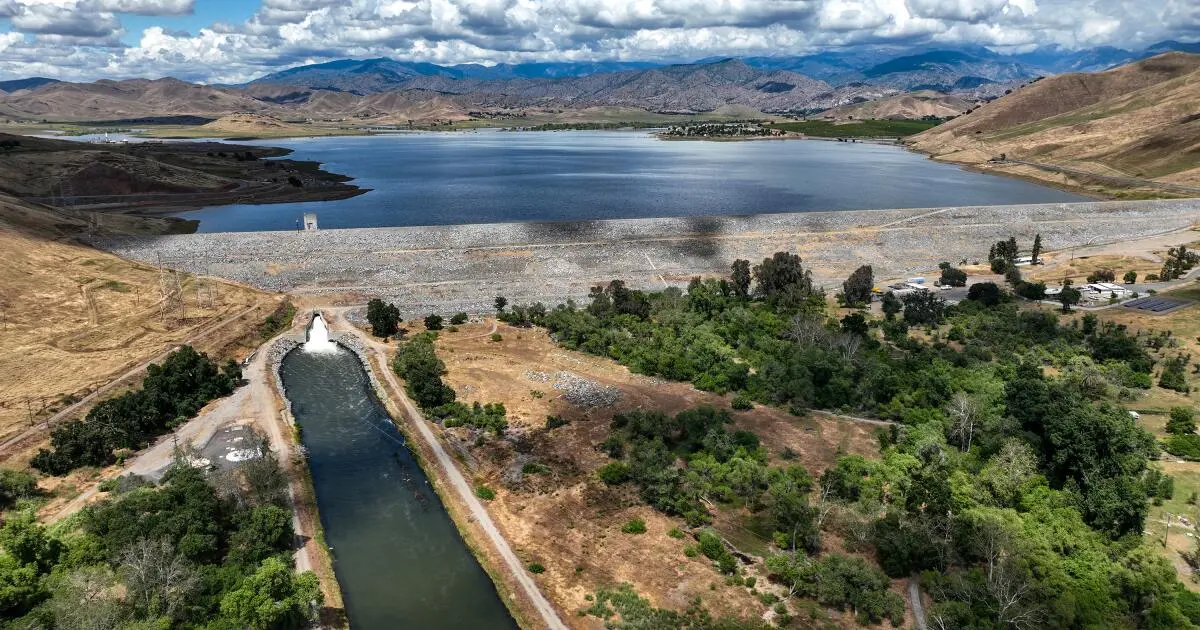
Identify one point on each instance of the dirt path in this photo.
(37, 429)
(466, 494)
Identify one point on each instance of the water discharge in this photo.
(399, 560)
(317, 336)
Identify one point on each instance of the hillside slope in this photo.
(1140, 120)
(75, 317)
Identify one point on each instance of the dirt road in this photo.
(462, 488)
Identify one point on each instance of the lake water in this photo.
(494, 176)
(397, 556)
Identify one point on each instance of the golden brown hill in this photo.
(74, 318)
(1138, 121)
(251, 124)
(134, 98)
(912, 106)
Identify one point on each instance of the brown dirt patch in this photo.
(568, 521)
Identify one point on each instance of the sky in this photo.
(231, 41)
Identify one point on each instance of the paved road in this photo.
(1120, 181)
(466, 494)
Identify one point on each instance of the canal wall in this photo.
(462, 267)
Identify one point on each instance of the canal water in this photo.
(398, 557)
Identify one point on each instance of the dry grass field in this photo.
(1134, 121)
(566, 519)
(73, 319)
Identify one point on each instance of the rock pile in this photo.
(583, 393)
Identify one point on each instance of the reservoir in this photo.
(398, 557)
(492, 176)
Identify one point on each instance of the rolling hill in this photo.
(1140, 120)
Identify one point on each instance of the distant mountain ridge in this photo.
(386, 90)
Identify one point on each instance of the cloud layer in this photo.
(82, 39)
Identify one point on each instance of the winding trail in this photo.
(465, 493)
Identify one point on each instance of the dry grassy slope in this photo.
(247, 123)
(1139, 120)
(903, 107)
(73, 317)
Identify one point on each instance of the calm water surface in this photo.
(493, 176)
(398, 558)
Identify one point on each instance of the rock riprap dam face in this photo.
(462, 267)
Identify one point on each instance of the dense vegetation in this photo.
(860, 129)
(177, 555)
(417, 363)
(279, 320)
(171, 394)
(1020, 493)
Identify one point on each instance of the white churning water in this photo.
(318, 336)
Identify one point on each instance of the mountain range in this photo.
(387, 90)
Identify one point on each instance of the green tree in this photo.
(952, 276)
(923, 307)
(740, 278)
(274, 598)
(986, 293)
(856, 289)
(891, 305)
(433, 322)
(1035, 254)
(1130, 277)
(1182, 421)
(501, 302)
(14, 485)
(384, 318)
(1069, 296)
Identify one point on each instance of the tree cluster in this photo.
(170, 394)
(177, 555)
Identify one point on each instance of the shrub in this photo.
(534, 468)
(458, 319)
(1182, 421)
(634, 526)
(742, 402)
(553, 422)
(536, 568)
(433, 322)
(614, 473)
(496, 337)
(1183, 445)
(675, 532)
(485, 493)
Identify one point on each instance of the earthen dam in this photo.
(462, 267)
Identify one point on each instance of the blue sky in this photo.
(234, 41)
(205, 13)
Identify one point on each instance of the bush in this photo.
(634, 526)
(458, 319)
(14, 485)
(1182, 421)
(553, 422)
(433, 322)
(742, 402)
(1183, 445)
(485, 493)
(384, 318)
(614, 473)
(952, 276)
(536, 568)
(675, 532)
(497, 338)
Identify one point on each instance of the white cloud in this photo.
(79, 38)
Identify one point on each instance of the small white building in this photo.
(310, 221)
(1107, 289)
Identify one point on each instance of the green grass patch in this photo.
(862, 129)
(634, 526)
(485, 493)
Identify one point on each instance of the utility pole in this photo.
(1167, 529)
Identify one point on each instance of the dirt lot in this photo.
(568, 521)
